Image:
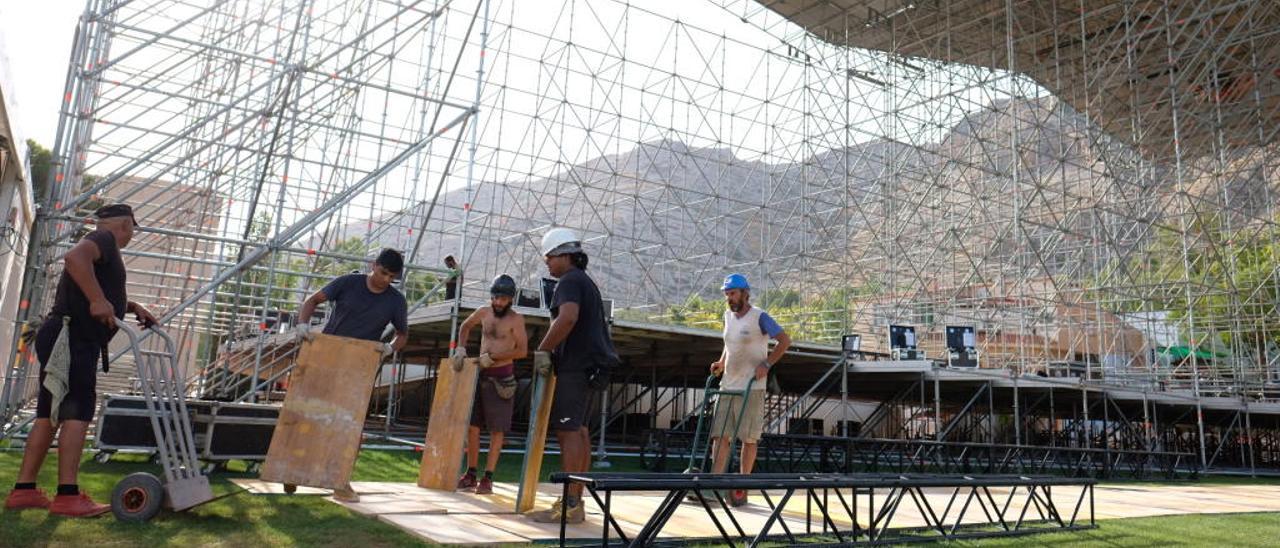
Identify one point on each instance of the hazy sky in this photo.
(35, 40)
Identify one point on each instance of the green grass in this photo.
(247, 520)
(241, 520)
(1261, 529)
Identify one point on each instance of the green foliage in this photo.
(419, 284)
(818, 318)
(1222, 282)
(353, 246)
(247, 293)
(40, 159)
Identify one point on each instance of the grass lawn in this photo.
(242, 520)
(247, 520)
(1261, 529)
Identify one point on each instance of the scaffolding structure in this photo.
(1090, 184)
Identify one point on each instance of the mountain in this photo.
(666, 220)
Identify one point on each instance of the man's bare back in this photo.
(498, 333)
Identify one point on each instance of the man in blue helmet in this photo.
(746, 354)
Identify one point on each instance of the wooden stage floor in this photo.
(469, 519)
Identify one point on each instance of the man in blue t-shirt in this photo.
(360, 307)
(363, 304)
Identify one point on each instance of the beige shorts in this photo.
(725, 419)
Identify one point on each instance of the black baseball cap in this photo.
(116, 210)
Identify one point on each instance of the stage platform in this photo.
(469, 519)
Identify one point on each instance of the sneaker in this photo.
(77, 506)
(22, 499)
(575, 515)
(467, 482)
(738, 497)
(345, 494)
(485, 487)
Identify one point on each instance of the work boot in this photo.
(467, 482)
(77, 506)
(576, 514)
(22, 499)
(345, 494)
(485, 487)
(290, 488)
(738, 497)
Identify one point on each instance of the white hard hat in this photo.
(557, 237)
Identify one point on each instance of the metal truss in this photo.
(793, 453)
(1092, 185)
(833, 502)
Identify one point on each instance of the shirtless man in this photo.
(504, 340)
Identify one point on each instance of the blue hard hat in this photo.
(735, 281)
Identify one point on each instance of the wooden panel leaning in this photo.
(318, 435)
(544, 389)
(447, 425)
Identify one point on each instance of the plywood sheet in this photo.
(544, 390)
(256, 486)
(471, 530)
(318, 435)
(447, 425)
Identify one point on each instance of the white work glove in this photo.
(459, 355)
(486, 361)
(386, 349)
(303, 332)
(542, 363)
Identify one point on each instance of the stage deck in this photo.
(469, 519)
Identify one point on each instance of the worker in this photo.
(746, 354)
(89, 299)
(452, 279)
(503, 340)
(579, 349)
(361, 307)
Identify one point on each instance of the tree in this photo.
(247, 293)
(1222, 284)
(39, 159)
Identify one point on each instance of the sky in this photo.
(35, 42)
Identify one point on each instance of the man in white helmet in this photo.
(583, 352)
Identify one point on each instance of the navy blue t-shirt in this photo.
(356, 312)
(589, 343)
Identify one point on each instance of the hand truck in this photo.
(708, 407)
(140, 495)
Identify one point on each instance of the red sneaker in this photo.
(77, 506)
(467, 481)
(485, 487)
(22, 499)
(738, 497)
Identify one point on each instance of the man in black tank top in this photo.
(90, 297)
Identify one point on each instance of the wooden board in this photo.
(318, 435)
(447, 425)
(544, 389)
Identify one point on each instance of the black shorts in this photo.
(490, 411)
(81, 401)
(573, 401)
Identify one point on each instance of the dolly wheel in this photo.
(137, 497)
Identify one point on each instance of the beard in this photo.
(735, 306)
(500, 311)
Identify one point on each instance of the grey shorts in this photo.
(726, 415)
(490, 412)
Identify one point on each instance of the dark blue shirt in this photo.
(70, 300)
(356, 312)
(588, 344)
